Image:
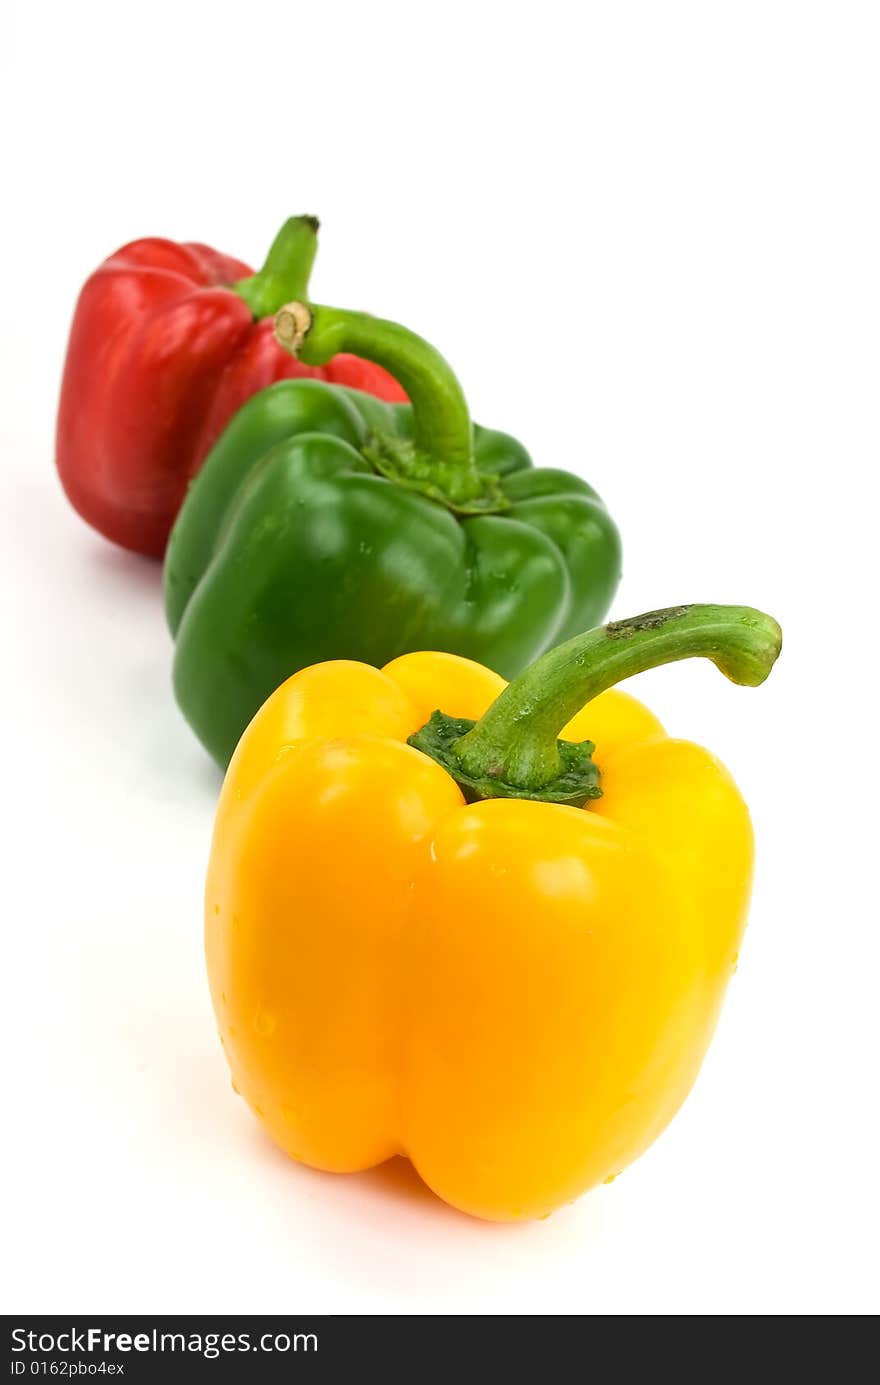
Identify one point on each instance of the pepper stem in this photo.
(286, 271)
(514, 750)
(439, 461)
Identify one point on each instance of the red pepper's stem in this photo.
(286, 271)
(442, 450)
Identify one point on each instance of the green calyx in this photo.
(514, 750)
(401, 461)
(577, 781)
(287, 269)
(439, 461)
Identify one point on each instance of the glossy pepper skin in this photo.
(513, 992)
(328, 525)
(168, 341)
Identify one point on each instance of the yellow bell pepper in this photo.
(493, 953)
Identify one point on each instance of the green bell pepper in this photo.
(326, 524)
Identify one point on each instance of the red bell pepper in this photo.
(168, 341)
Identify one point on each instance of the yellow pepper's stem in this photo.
(515, 751)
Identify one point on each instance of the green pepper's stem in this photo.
(442, 445)
(516, 743)
(442, 425)
(286, 271)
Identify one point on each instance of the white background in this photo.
(647, 236)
